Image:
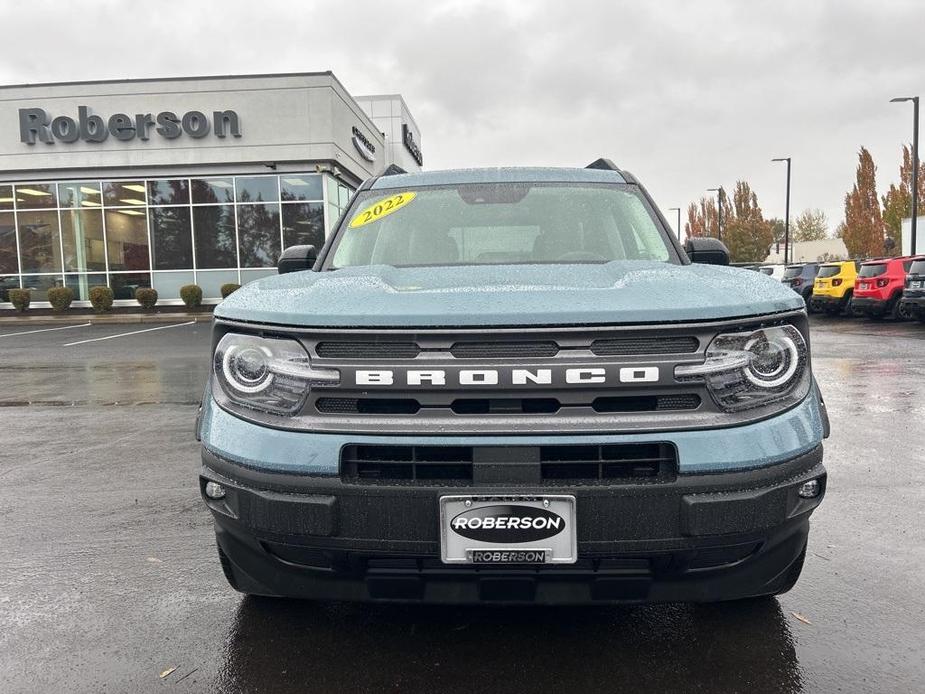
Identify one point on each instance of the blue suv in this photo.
(507, 386)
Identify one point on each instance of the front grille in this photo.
(507, 406)
(501, 350)
(558, 464)
(622, 346)
(367, 350)
(503, 380)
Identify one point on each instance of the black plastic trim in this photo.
(762, 474)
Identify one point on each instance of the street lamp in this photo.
(678, 210)
(915, 163)
(720, 193)
(786, 210)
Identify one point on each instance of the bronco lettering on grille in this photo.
(595, 375)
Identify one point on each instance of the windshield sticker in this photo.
(381, 208)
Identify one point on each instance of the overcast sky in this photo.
(687, 95)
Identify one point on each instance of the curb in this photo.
(102, 319)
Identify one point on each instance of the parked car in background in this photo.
(800, 279)
(913, 298)
(879, 288)
(773, 271)
(834, 286)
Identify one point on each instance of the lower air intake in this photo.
(555, 465)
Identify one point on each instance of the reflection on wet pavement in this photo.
(326, 648)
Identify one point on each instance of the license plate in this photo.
(864, 285)
(508, 529)
(917, 284)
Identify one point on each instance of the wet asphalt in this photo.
(109, 577)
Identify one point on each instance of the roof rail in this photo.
(393, 170)
(602, 163)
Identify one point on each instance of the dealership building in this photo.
(167, 182)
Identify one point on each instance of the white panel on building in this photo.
(166, 182)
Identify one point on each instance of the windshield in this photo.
(504, 223)
(793, 271)
(917, 268)
(872, 270)
(828, 270)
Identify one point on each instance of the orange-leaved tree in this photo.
(897, 203)
(701, 219)
(748, 235)
(863, 232)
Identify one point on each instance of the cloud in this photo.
(687, 95)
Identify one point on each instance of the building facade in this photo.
(163, 183)
(809, 251)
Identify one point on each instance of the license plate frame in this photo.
(479, 548)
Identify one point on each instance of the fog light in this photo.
(216, 491)
(808, 490)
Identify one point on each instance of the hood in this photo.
(508, 295)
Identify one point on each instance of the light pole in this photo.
(678, 210)
(915, 164)
(786, 210)
(720, 193)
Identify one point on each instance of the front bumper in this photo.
(701, 537)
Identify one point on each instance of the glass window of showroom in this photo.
(159, 232)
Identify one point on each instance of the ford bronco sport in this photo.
(834, 286)
(511, 385)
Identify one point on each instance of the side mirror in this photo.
(296, 258)
(707, 250)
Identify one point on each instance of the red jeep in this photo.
(879, 287)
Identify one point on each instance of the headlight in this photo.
(273, 375)
(744, 370)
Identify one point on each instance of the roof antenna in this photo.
(602, 163)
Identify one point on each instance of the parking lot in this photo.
(109, 576)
